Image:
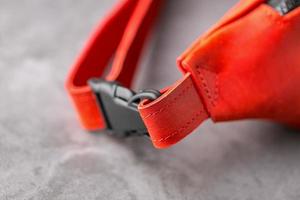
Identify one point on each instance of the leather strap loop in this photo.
(169, 118)
(175, 114)
(123, 32)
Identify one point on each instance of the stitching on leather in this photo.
(213, 97)
(172, 101)
(178, 131)
(217, 90)
(206, 89)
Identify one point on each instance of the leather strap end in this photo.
(175, 114)
(87, 109)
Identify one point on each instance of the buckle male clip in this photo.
(119, 107)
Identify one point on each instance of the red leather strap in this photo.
(168, 119)
(175, 114)
(122, 33)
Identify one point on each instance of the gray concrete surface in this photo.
(44, 154)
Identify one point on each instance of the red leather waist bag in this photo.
(246, 66)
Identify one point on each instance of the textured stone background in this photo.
(45, 155)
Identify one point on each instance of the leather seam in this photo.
(212, 96)
(187, 88)
(178, 131)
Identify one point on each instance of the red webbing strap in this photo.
(122, 35)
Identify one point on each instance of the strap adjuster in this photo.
(119, 107)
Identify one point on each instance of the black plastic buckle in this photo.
(119, 107)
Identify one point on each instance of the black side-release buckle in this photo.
(284, 6)
(119, 107)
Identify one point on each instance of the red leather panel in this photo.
(250, 67)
